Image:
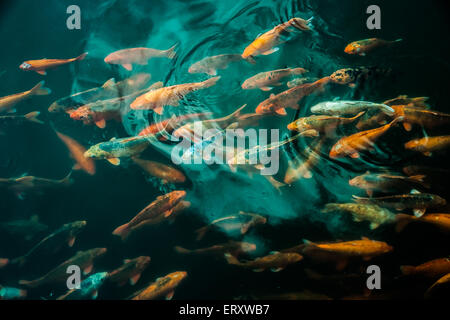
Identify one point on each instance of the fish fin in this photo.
(201, 232)
(266, 88)
(170, 53)
(169, 296)
(122, 231)
(114, 161)
(88, 269)
(81, 56)
(427, 153)
(407, 126)
(244, 228)
(32, 116)
(281, 111)
(210, 82)
(134, 279)
(273, 50)
(414, 191)
(94, 294)
(111, 82)
(307, 174)
(101, 123)
(127, 66)
(276, 269)
(42, 72)
(402, 221)
(168, 213)
(76, 166)
(231, 259)
(211, 72)
(274, 252)
(158, 110)
(156, 85)
(71, 241)
(40, 90)
(419, 212)
(374, 225)
(354, 155)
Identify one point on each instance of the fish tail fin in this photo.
(359, 115)
(67, 181)
(402, 221)
(40, 90)
(237, 113)
(29, 284)
(81, 56)
(32, 116)
(170, 53)
(210, 82)
(3, 262)
(201, 233)
(122, 231)
(181, 250)
(407, 270)
(231, 259)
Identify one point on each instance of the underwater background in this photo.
(418, 66)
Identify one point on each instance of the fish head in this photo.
(196, 68)
(25, 66)
(112, 58)
(357, 181)
(247, 85)
(337, 150)
(265, 107)
(142, 262)
(176, 196)
(96, 152)
(248, 247)
(99, 251)
(352, 48)
(82, 113)
(300, 23)
(77, 226)
(178, 276)
(413, 144)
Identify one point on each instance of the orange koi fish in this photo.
(362, 47)
(41, 65)
(77, 152)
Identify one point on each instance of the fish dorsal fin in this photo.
(274, 252)
(307, 242)
(113, 139)
(414, 191)
(109, 83)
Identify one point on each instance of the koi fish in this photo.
(162, 287)
(77, 152)
(266, 43)
(99, 112)
(404, 100)
(180, 207)
(233, 247)
(275, 261)
(290, 98)
(115, 149)
(166, 127)
(210, 65)
(130, 271)
(345, 250)
(297, 169)
(322, 124)
(266, 80)
(240, 222)
(40, 66)
(33, 184)
(29, 117)
(417, 201)
(166, 173)
(440, 220)
(350, 107)
(361, 141)
(6, 103)
(109, 90)
(432, 269)
(9, 293)
(421, 117)
(83, 259)
(127, 57)
(27, 229)
(428, 145)
(353, 76)
(155, 212)
(441, 281)
(88, 288)
(51, 244)
(169, 96)
(374, 214)
(362, 47)
(386, 182)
